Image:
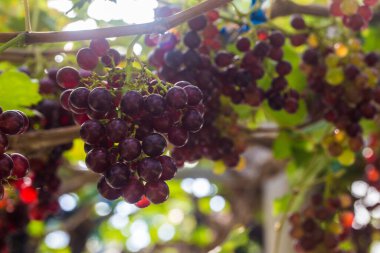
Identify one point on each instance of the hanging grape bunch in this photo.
(222, 74)
(126, 124)
(355, 14)
(12, 166)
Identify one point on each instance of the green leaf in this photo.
(282, 147)
(280, 205)
(287, 119)
(17, 91)
(243, 110)
(371, 36)
(296, 78)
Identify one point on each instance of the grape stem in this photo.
(129, 67)
(16, 41)
(28, 26)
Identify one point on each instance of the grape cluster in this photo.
(355, 15)
(219, 74)
(13, 165)
(323, 224)
(126, 127)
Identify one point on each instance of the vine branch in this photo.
(158, 26)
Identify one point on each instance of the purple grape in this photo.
(191, 59)
(194, 95)
(99, 46)
(117, 175)
(283, 68)
(178, 136)
(261, 49)
(298, 22)
(154, 104)
(192, 40)
(47, 86)
(168, 167)
(198, 23)
(100, 100)
(157, 192)
(20, 165)
(78, 98)
(131, 103)
(174, 59)
(12, 122)
(64, 99)
(223, 58)
(116, 130)
(176, 97)
(133, 191)
(6, 166)
(243, 44)
(111, 59)
(97, 160)
(162, 123)
(107, 191)
(192, 121)
(92, 132)
(68, 77)
(149, 169)
(277, 39)
(87, 59)
(130, 149)
(154, 144)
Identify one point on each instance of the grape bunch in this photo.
(356, 15)
(323, 224)
(13, 165)
(220, 74)
(126, 124)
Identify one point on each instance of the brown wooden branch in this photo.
(285, 8)
(37, 140)
(158, 26)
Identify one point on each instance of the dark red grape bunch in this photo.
(12, 166)
(127, 130)
(323, 224)
(355, 15)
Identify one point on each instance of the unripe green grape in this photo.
(332, 60)
(347, 158)
(335, 76)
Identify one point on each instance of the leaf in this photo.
(296, 78)
(17, 91)
(286, 119)
(282, 146)
(371, 36)
(280, 205)
(76, 153)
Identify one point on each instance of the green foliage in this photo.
(17, 91)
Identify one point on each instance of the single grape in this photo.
(99, 46)
(297, 22)
(174, 59)
(100, 100)
(131, 103)
(97, 160)
(157, 192)
(143, 202)
(68, 77)
(243, 44)
(12, 122)
(133, 191)
(150, 169)
(117, 175)
(21, 165)
(277, 39)
(92, 132)
(78, 98)
(178, 136)
(154, 104)
(116, 130)
(111, 59)
(47, 86)
(176, 97)
(192, 121)
(198, 23)
(6, 166)
(261, 49)
(130, 149)
(191, 58)
(283, 68)
(107, 191)
(87, 59)
(154, 144)
(168, 167)
(310, 56)
(162, 123)
(64, 99)
(194, 95)
(192, 40)
(223, 58)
